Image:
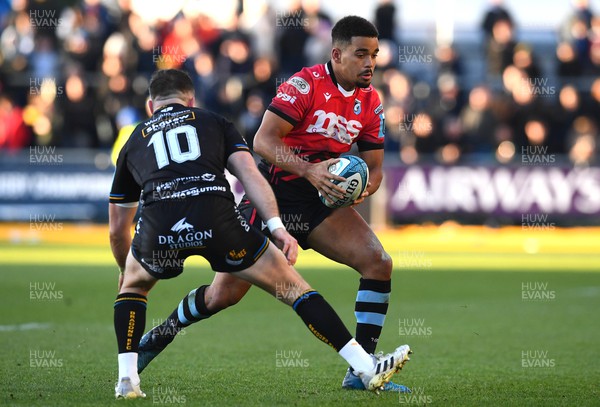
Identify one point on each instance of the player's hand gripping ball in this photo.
(356, 172)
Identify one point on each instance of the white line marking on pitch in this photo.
(24, 327)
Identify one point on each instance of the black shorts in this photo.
(169, 232)
(300, 207)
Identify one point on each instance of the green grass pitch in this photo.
(487, 338)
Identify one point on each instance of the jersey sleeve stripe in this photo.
(284, 116)
(367, 146)
(242, 147)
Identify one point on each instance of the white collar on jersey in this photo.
(346, 93)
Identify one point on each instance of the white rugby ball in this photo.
(356, 172)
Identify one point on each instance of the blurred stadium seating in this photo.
(495, 124)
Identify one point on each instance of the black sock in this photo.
(370, 310)
(130, 318)
(322, 320)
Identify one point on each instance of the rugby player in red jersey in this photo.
(317, 115)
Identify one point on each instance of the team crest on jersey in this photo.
(300, 84)
(357, 106)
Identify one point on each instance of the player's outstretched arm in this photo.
(119, 223)
(268, 143)
(242, 165)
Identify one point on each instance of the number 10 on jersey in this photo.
(174, 151)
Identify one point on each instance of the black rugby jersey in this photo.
(179, 152)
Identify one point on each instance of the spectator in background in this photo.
(262, 81)
(292, 36)
(206, 81)
(83, 30)
(251, 117)
(385, 21)
(523, 59)
(528, 111)
(318, 45)
(44, 60)
(592, 105)
(495, 13)
(569, 65)
(17, 43)
(78, 105)
(448, 60)
(501, 47)
(14, 134)
(115, 84)
(581, 13)
(582, 142)
(478, 121)
(179, 43)
(569, 107)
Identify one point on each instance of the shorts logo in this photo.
(186, 236)
(300, 84)
(234, 258)
(182, 225)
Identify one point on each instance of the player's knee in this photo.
(386, 265)
(378, 266)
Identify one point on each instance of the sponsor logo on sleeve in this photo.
(300, 84)
(378, 109)
(286, 98)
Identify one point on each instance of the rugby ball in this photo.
(356, 172)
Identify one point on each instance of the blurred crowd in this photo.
(75, 75)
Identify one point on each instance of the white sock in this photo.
(356, 356)
(128, 366)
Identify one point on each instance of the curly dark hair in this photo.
(351, 26)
